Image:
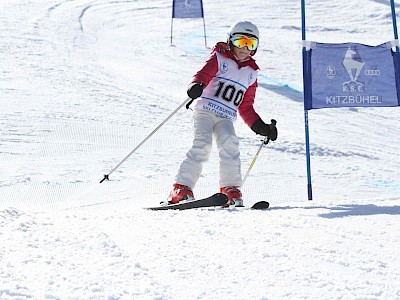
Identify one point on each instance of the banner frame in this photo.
(202, 16)
(307, 94)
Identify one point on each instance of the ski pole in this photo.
(265, 141)
(106, 176)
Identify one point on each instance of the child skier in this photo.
(227, 84)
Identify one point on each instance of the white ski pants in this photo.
(207, 125)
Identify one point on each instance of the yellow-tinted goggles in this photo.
(240, 40)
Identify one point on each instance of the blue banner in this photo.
(187, 9)
(351, 75)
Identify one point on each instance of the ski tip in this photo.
(260, 205)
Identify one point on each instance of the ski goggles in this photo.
(240, 40)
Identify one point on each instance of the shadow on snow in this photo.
(349, 210)
(284, 90)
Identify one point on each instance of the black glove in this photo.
(195, 90)
(263, 129)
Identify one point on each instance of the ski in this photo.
(215, 200)
(260, 205)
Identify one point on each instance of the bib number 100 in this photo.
(229, 93)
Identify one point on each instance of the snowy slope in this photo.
(85, 81)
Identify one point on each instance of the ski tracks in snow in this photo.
(122, 251)
(58, 255)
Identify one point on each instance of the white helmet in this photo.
(244, 27)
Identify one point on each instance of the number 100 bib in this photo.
(226, 90)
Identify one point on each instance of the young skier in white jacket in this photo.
(227, 85)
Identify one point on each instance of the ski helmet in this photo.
(246, 28)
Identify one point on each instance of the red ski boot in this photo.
(234, 196)
(180, 192)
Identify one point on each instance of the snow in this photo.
(84, 82)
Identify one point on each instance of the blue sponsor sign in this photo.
(187, 9)
(351, 75)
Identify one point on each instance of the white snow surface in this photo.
(83, 82)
